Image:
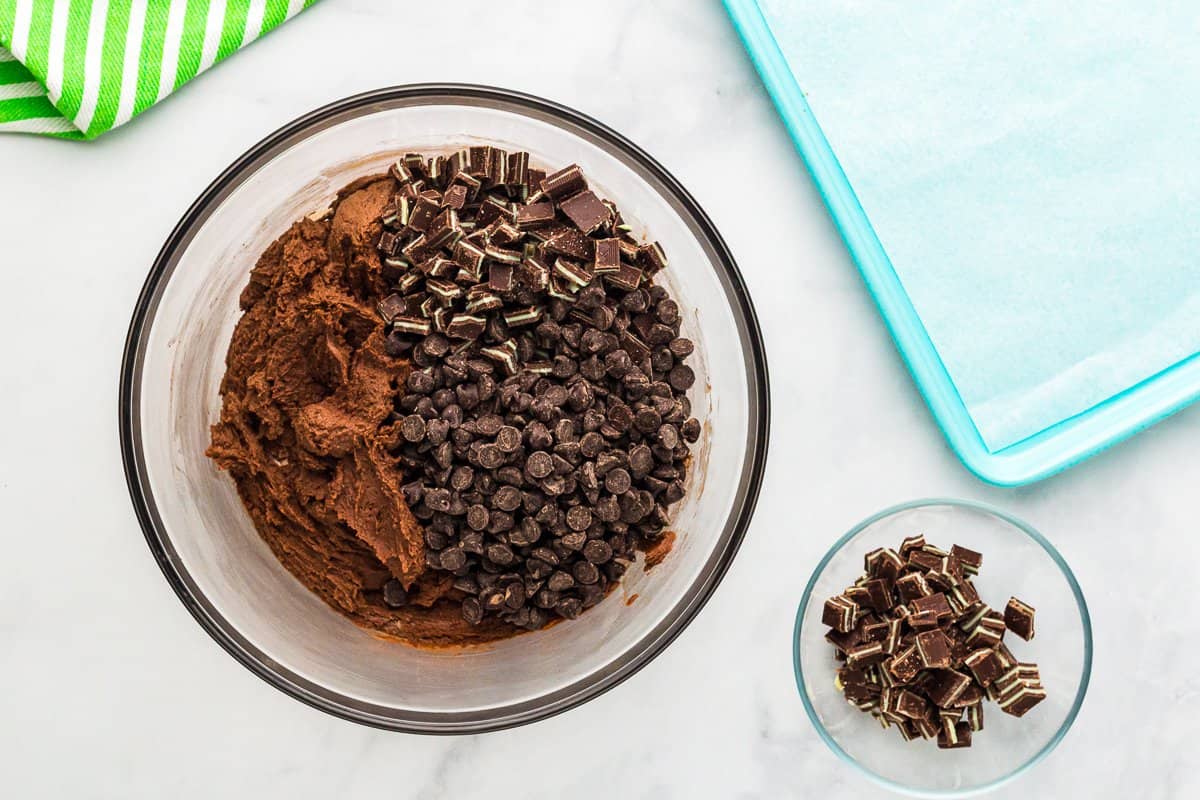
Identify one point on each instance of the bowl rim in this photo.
(1081, 606)
(520, 712)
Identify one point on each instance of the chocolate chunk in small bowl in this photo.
(922, 652)
(1018, 618)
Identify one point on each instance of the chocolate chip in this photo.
(472, 611)
(466, 584)
(572, 334)
(597, 551)
(555, 396)
(591, 594)
(659, 334)
(533, 501)
(607, 509)
(564, 367)
(591, 444)
(561, 465)
(436, 431)
(581, 396)
(501, 522)
(668, 435)
(647, 420)
(547, 514)
(573, 541)
(691, 430)
(661, 360)
(538, 436)
(507, 498)
(641, 459)
(453, 558)
(490, 456)
(436, 345)
(592, 420)
(468, 395)
(607, 462)
(394, 594)
(412, 492)
(633, 507)
(620, 416)
(634, 302)
(592, 341)
(569, 607)
(617, 363)
(539, 464)
(461, 478)
(681, 348)
(636, 383)
(413, 428)
(508, 439)
(525, 534)
(436, 539)
(617, 481)
(592, 368)
(514, 595)
(579, 518)
(493, 599)
(499, 553)
(681, 377)
(437, 499)
(588, 479)
(585, 572)
(421, 381)
(568, 451)
(478, 517)
(667, 312)
(453, 414)
(472, 542)
(560, 581)
(488, 424)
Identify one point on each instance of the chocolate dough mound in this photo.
(304, 428)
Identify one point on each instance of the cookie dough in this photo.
(305, 432)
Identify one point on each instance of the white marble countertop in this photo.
(110, 688)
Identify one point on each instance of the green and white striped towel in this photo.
(78, 68)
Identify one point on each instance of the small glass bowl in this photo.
(207, 545)
(1017, 561)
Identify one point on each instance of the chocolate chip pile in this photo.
(545, 421)
(922, 651)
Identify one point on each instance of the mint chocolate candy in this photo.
(1018, 617)
(922, 651)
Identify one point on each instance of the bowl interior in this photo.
(210, 542)
(1016, 562)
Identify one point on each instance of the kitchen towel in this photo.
(77, 68)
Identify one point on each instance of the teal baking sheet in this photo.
(1018, 184)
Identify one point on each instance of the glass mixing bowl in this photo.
(205, 542)
(1017, 561)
